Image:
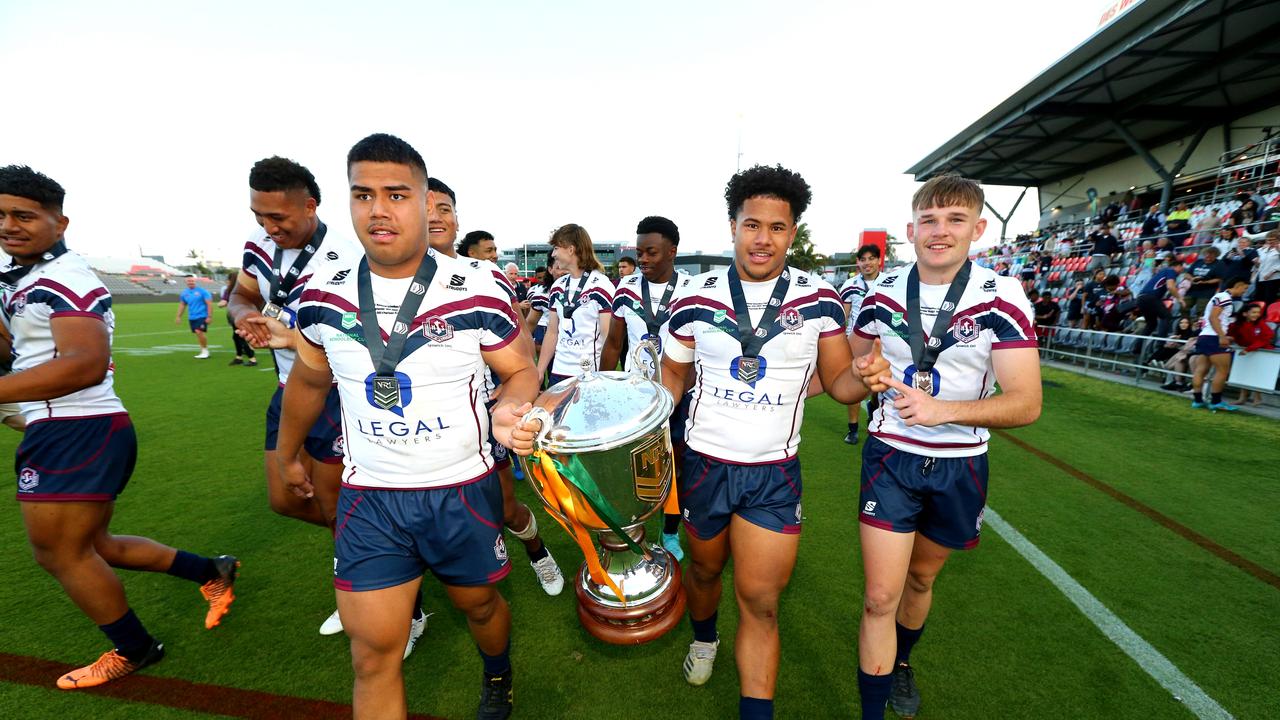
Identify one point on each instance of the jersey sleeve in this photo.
(80, 294)
(1012, 319)
(538, 300)
(683, 314)
(601, 292)
(624, 296)
(256, 261)
(491, 312)
(865, 324)
(309, 316)
(831, 318)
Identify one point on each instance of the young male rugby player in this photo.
(481, 251)
(278, 261)
(852, 293)
(407, 332)
(642, 310)
(753, 334)
(950, 331)
(79, 448)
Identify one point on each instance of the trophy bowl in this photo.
(602, 466)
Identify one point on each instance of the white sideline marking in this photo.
(145, 334)
(1148, 658)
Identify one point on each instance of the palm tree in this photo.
(802, 255)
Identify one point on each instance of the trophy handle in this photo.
(649, 368)
(542, 416)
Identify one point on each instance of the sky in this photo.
(150, 114)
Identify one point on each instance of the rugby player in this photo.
(852, 294)
(579, 306)
(538, 296)
(79, 448)
(1214, 345)
(753, 334)
(924, 468)
(642, 309)
(278, 260)
(406, 332)
(479, 247)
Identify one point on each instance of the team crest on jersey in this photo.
(19, 303)
(791, 319)
(28, 479)
(437, 329)
(500, 549)
(348, 320)
(339, 445)
(720, 314)
(896, 319)
(965, 330)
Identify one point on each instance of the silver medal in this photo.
(386, 392)
(924, 382)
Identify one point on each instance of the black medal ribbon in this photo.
(386, 389)
(571, 304)
(924, 353)
(752, 338)
(10, 278)
(653, 321)
(278, 293)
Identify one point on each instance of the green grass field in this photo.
(1001, 642)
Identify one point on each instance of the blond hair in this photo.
(949, 191)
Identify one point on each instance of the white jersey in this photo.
(63, 287)
(993, 314)
(852, 293)
(438, 435)
(579, 336)
(538, 302)
(491, 380)
(630, 296)
(1227, 303)
(259, 262)
(735, 421)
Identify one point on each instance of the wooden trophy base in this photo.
(637, 623)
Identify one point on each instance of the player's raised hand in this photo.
(915, 406)
(871, 367)
(264, 332)
(295, 477)
(510, 429)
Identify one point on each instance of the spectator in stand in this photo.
(1173, 354)
(244, 351)
(1215, 344)
(1225, 240)
(1164, 248)
(1178, 225)
(1152, 296)
(1246, 215)
(1029, 268)
(1111, 213)
(1241, 259)
(1105, 246)
(1153, 223)
(1129, 205)
(1094, 293)
(1146, 265)
(1046, 310)
(1114, 307)
(1206, 275)
(1251, 333)
(1075, 305)
(1207, 228)
(1269, 269)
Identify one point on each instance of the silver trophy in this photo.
(603, 465)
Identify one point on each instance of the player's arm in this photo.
(1017, 372)
(1172, 287)
(677, 359)
(82, 355)
(520, 385)
(548, 350)
(304, 397)
(835, 369)
(606, 323)
(6, 348)
(612, 346)
(244, 307)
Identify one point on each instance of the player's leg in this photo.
(852, 436)
(704, 497)
(1199, 368)
(927, 559)
(1221, 363)
(375, 620)
(489, 621)
(520, 520)
(763, 561)
(886, 556)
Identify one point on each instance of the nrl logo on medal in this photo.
(437, 329)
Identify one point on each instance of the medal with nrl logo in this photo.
(749, 367)
(924, 352)
(282, 285)
(384, 383)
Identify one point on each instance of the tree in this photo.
(890, 255)
(802, 254)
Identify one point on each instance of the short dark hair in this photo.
(540, 269)
(1033, 294)
(437, 185)
(777, 182)
(660, 225)
(277, 174)
(381, 147)
(626, 259)
(1111, 281)
(873, 250)
(1238, 280)
(23, 182)
(472, 239)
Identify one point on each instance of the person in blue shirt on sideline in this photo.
(1151, 298)
(198, 304)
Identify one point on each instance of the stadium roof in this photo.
(1162, 71)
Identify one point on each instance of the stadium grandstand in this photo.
(1162, 130)
(144, 279)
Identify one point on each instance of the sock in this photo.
(417, 604)
(130, 638)
(536, 555)
(1216, 397)
(499, 664)
(705, 630)
(750, 708)
(853, 428)
(906, 640)
(671, 524)
(1196, 396)
(195, 568)
(874, 690)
